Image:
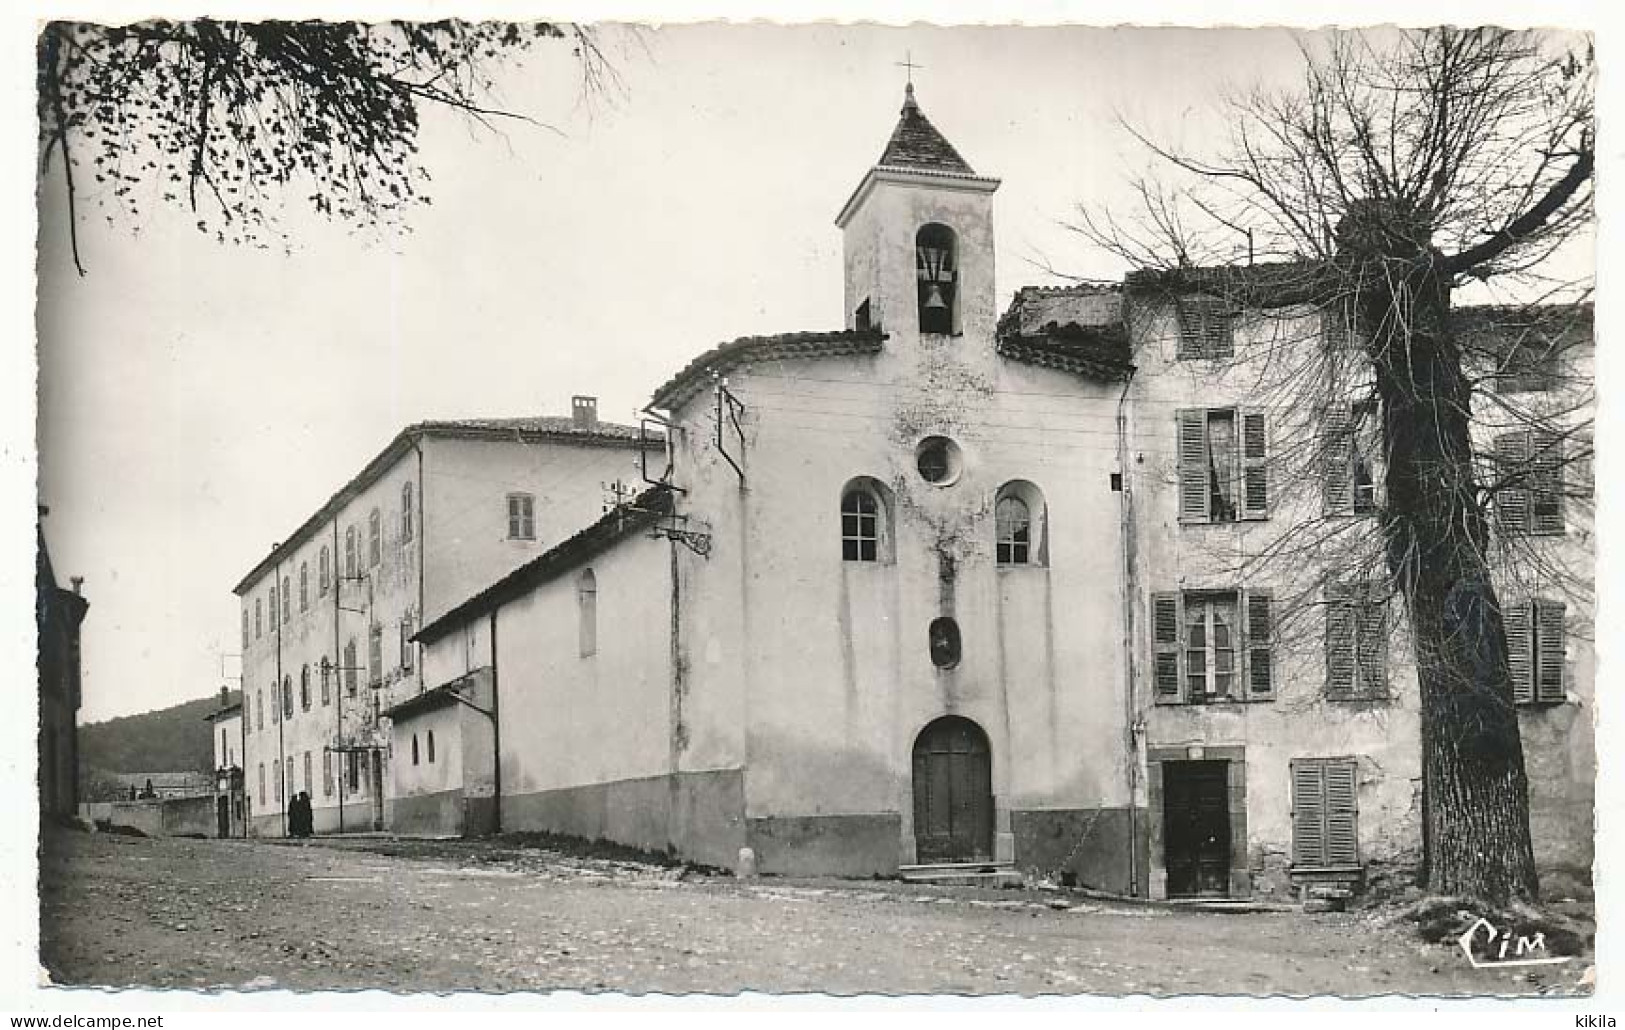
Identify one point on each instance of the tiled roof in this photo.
(616, 525)
(528, 429)
(916, 143)
(430, 700)
(1098, 352)
(748, 349)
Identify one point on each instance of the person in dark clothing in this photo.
(298, 816)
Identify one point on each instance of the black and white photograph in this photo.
(751, 507)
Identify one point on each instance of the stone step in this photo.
(963, 874)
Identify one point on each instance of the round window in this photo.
(937, 458)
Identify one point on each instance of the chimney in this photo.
(78, 584)
(224, 694)
(584, 412)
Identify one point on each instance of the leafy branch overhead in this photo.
(236, 119)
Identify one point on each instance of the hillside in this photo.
(173, 739)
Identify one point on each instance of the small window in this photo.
(307, 780)
(414, 749)
(587, 605)
(408, 513)
(1206, 327)
(287, 697)
(327, 681)
(1529, 494)
(272, 607)
(1536, 651)
(259, 710)
(290, 780)
(1324, 813)
(1222, 454)
(349, 667)
(860, 526)
(245, 626)
(1356, 641)
(408, 648)
(276, 768)
(521, 517)
(375, 538)
(936, 267)
(375, 654)
(352, 771)
(287, 602)
(304, 687)
(349, 553)
(1013, 523)
(944, 642)
(1205, 651)
(262, 782)
(938, 460)
(304, 586)
(1350, 436)
(327, 774)
(323, 571)
(431, 747)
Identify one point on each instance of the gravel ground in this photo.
(448, 916)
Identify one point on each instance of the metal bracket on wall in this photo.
(730, 406)
(644, 418)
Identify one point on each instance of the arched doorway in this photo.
(953, 793)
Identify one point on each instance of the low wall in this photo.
(166, 817)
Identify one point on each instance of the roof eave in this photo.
(961, 181)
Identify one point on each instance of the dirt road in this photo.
(471, 916)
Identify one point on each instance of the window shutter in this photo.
(1260, 645)
(1342, 841)
(1341, 629)
(1205, 327)
(1520, 652)
(1194, 487)
(1337, 460)
(1549, 652)
(1308, 814)
(1546, 485)
(1371, 644)
(1255, 473)
(1512, 500)
(1166, 619)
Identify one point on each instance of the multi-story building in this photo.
(1095, 588)
(58, 613)
(328, 615)
(230, 798)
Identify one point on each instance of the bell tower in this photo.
(919, 239)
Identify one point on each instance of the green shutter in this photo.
(1342, 837)
(1512, 499)
(1308, 813)
(1341, 630)
(1165, 623)
(1337, 460)
(1194, 486)
(1255, 500)
(1549, 652)
(1260, 645)
(1520, 651)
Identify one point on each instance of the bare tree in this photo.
(235, 119)
(1405, 166)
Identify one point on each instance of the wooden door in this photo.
(1196, 827)
(953, 793)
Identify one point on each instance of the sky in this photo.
(198, 401)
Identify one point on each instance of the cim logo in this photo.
(1489, 948)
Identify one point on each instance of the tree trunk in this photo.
(1476, 807)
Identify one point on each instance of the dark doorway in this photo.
(953, 793)
(222, 815)
(1196, 828)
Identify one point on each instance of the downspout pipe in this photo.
(1130, 591)
(276, 695)
(496, 731)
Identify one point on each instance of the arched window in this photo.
(304, 687)
(408, 514)
(587, 603)
(304, 586)
(1020, 533)
(349, 553)
(323, 570)
(865, 521)
(936, 266)
(431, 747)
(414, 749)
(375, 537)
